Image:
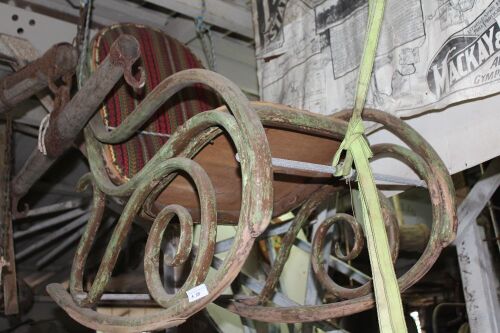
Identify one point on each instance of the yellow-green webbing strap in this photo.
(387, 296)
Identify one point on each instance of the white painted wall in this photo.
(45, 32)
(235, 60)
(463, 135)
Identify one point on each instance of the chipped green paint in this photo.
(300, 220)
(198, 132)
(243, 123)
(420, 157)
(247, 133)
(391, 226)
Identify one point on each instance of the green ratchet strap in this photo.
(385, 284)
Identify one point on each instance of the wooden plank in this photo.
(183, 29)
(230, 16)
(9, 280)
(124, 11)
(478, 277)
(235, 59)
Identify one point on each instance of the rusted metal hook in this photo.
(125, 55)
(137, 85)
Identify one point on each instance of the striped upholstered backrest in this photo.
(161, 56)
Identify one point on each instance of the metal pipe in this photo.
(120, 297)
(306, 169)
(39, 226)
(55, 208)
(53, 236)
(65, 125)
(60, 60)
(26, 129)
(279, 229)
(56, 251)
(64, 190)
(339, 265)
(256, 286)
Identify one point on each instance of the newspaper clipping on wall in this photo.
(432, 53)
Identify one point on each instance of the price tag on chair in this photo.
(197, 292)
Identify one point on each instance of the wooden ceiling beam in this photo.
(232, 16)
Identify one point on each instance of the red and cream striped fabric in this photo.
(161, 56)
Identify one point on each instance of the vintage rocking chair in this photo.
(205, 156)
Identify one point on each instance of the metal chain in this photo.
(86, 34)
(78, 40)
(204, 33)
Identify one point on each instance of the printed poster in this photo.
(432, 53)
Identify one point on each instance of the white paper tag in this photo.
(197, 292)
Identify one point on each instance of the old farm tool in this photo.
(172, 163)
(58, 62)
(67, 122)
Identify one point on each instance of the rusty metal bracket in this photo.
(19, 52)
(59, 61)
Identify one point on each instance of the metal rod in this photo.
(67, 242)
(274, 230)
(50, 223)
(256, 286)
(70, 240)
(68, 122)
(338, 264)
(26, 129)
(56, 251)
(53, 236)
(58, 207)
(65, 190)
(120, 297)
(52, 254)
(282, 165)
(58, 61)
